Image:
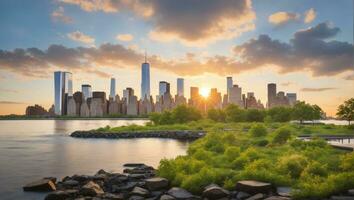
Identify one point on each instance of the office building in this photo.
(63, 87)
(235, 96)
(145, 80)
(113, 93)
(229, 84)
(272, 94)
(86, 91)
(292, 98)
(164, 88)
(180, 87)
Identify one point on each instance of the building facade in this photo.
(63, 88)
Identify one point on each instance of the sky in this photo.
(304, 46)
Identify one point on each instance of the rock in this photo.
(91, 189)
(128, 186)
(70, 183)
(57, 195)
(284, 191)
(342, 198)
(136, 198)
(277, 198)
(256, 197)
(166, 197)
(180, 193)
(101, 171)
(113, 196)
(81, 178)
(242, 195)
(254, 187)
(138, 191)
(42, 185)
(215, 192)
(351, 192)
(156, 183)
(133, 164)
(53, 179)
(136, 176)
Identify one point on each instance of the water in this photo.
(32, 149)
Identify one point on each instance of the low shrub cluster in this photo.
(312, 168)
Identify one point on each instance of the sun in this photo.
(204, 92)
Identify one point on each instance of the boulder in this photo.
(156, 183)
(81, 178)
(256, 197)
(242, 195)
(254, 187)
(215, 192)
(128, 186)
(284, 191)
(113, 196)
(91, 189)
(57, 195)
(53, 179)
(70, 183)
(351, 192)
(166, 197)
(138, 191)
(42, 185)
(341, 198)
(180, 193)
(277, 198)
(133, 164)
(136, 198)
(136, 176)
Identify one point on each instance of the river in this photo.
(32, 149)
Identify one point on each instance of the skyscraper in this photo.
(86, 91)
(164, 87)
(145, 80)
(272, 94)
(180, 87)
(63, 87)
(229, 84)
(235, 96)
(292, 98)
(112, 93)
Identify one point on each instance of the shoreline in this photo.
(171, 134)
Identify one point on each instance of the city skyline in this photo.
(304, 46)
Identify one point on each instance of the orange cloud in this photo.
(81, 37)
(125, 37)
(310, 15)
(281, 18)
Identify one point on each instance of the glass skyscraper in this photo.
(145, 80)
(112, 93)
(86, 91)
(63, 87)
(180, 87)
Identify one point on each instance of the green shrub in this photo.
(315, 168)
(261, 142)
(232, 152)
(347, 162)
(293, 164)
(281, 135)
(258, 130)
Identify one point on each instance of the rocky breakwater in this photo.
(181, 135)
(138, 181)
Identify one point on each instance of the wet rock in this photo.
(136, 198)
(138, 191)
(215, 192)
(156, 183)
(81, 178)
(42, 185)
(133, 164)
(136, 176)
(180, 193)
(91, 189)
(57, 195)
(242, 195)
(254, 187)
(113, 196)
(126, 187)
(256, 197)
(166, 197)
(284, 191)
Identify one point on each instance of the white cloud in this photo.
(281, 18)
(310, 15)
(81, 37)
(125, 37)
(59, 15)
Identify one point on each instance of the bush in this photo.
(217, 115)
(347, 162)
(293, 164)
(315, 169)
(281, 135)
(254, 115)
(258, 130)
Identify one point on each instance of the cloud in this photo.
(11, 102)
(59, 15)
(287, 84)
(192, 22)
(317, 89)
(81, 37)
(125, 37)
(309, 50)
(310, 15)
(282, 18)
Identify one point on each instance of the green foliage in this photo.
(293, 164)
(217, 115)
(347, 162)
(258, 130)
(303, 111)
(279, 114)
(235, 114)
(346, 110)
(254, 115)
(281, 135)
(181, 114)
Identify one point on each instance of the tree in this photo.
(303, 111)
(346, 110)
(280, 114)
(254, 115)
(217, 115)
(234, 113)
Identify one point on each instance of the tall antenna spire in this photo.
(145, 56)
